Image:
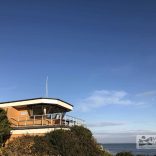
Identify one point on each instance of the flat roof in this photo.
(34, 101)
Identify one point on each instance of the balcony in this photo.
(48, 120)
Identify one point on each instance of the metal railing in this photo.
(45, 120)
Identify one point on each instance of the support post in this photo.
(65, 120)
(42, 120)
(34, 121)
(25, 120)
(51, 119)
(18, 122)
(60, 118)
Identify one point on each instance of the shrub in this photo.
(124, 154)
(65, 142)
(4, 127)
(82, 132)
(29, 145)
(86, 141)
(75, 142)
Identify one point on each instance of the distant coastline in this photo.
(130, 147)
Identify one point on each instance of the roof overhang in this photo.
(48, 101)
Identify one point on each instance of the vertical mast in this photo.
(47, 87)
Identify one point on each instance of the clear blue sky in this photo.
(99, 56)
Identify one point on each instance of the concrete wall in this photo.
(40, 132)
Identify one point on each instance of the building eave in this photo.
(35, 101)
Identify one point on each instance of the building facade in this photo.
(39, 116)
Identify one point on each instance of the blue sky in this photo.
(98, 55)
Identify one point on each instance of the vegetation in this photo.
(4, 127)
(75, 142)
(29, 145)
(124, 154)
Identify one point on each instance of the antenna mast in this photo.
(47, 87)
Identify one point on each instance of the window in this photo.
(23, 113)
(37, 110)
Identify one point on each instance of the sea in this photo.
(128, 147)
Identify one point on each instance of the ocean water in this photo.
(115, 148)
